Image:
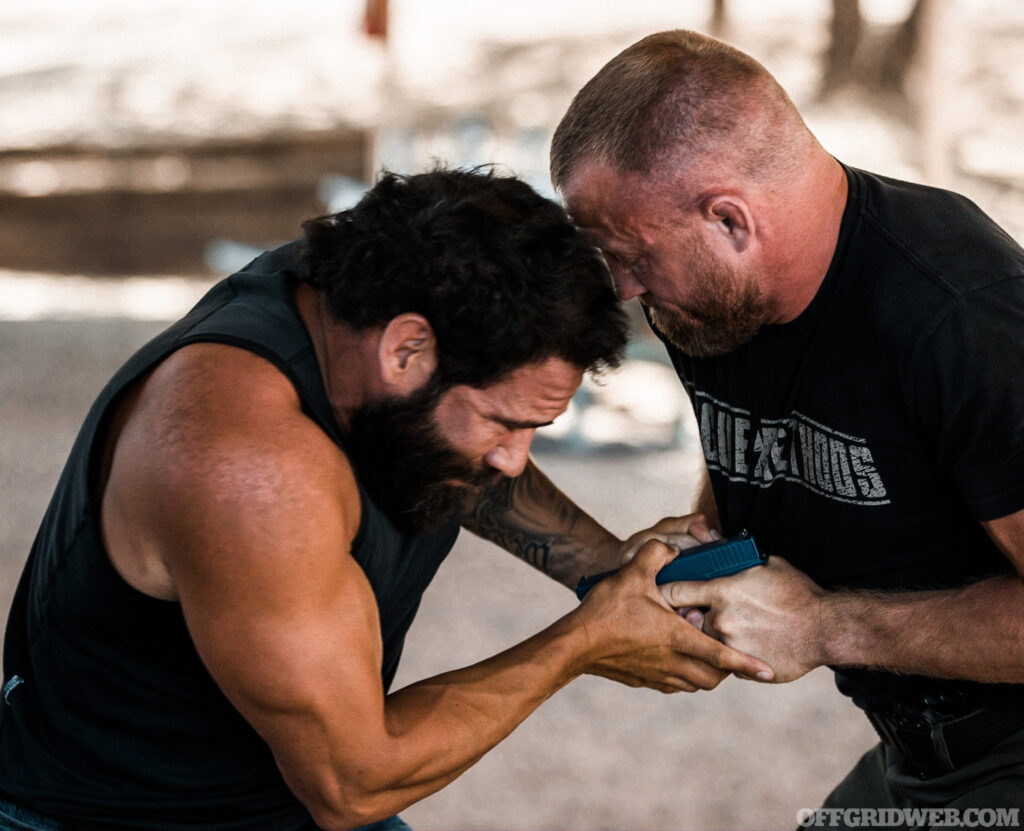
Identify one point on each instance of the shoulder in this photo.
(209, 402)
(941, 238)
(922, 263)
(221, 464)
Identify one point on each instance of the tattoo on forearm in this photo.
(531, 518)
(497, 517)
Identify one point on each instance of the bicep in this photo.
(280, 613)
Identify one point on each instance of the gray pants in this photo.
(883, 779)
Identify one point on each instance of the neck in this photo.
(346, 358)
(810, 215)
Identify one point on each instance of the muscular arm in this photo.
(777, 613)
(534, 520)
(248, 512)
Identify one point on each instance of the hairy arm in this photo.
(534, 520)
(975, 632)
(776, 612)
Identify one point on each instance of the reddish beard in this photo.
(725, 312)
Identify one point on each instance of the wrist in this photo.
(608, 555)
(598, 554)
(830, 615)
(850, 628)
(573, 639)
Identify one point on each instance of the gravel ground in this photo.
(597, 755)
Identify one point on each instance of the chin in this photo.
(699, 338)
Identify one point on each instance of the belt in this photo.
(938, 737)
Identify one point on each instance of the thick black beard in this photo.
(408, 468)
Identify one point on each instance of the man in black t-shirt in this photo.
(854, 350)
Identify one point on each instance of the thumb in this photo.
(685, 593)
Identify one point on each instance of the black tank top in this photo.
(109, 719)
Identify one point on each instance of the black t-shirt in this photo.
(865, 440)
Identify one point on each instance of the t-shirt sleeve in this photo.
(968, 390)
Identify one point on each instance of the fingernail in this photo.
(764, 675)
(715, 534)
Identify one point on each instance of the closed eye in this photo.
(512, 425)
(635, 266)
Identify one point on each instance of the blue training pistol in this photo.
(702, 562)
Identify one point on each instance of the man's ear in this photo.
(407, 353)
(731, 218)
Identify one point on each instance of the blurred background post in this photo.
(148, 148)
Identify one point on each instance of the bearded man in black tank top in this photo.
(207, 628)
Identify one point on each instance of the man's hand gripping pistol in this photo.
(703, 562)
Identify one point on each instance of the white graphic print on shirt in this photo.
(796, 449)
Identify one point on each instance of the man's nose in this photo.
(510, 455)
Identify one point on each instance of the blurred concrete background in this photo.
(146, 148)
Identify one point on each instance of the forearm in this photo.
(534, 520)
(357, 756)
(424, 736)
(975, 632)
(439, 727)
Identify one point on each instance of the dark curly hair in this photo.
(499, 271)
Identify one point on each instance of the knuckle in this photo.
(723, 658)
(653, 545)
(723, 623)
